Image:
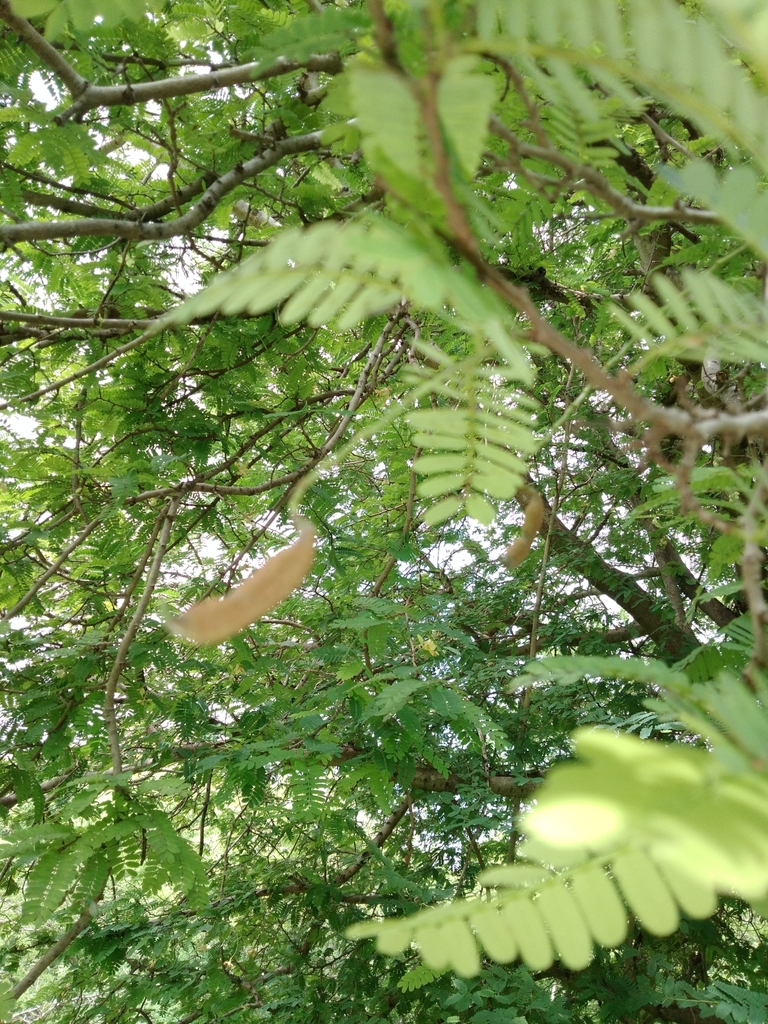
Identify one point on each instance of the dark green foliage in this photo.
(362, 274)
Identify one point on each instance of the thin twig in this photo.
(98, 364)
(51, 570)
(598, 184)
(392, 560)
(204, 813)
(110, 716)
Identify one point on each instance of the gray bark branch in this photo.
(29, 231)
(92, 96)
(44, 50)
(55, 951)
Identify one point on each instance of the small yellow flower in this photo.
(428, 645)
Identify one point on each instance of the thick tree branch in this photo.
(44, 50)
(620, 587)
(378, 841)
(55, 951)
(35, 230)
(670, 582)
(92, 96)
(711, 606)
(44, 320)
(11, 799)
(682, 1014)
(107, 323)
(431, 781)
(753, 579)
(675, 568)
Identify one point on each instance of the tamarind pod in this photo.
(518, 550)
(534, 516)
(218, 618)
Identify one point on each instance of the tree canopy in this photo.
(476, 288)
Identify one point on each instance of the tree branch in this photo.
(431, 781)
(142, 213)
(47, 786)
(91, 96)
(45, 320)
(378, 841)
(392, 559)
(36, 230)
(598, 185)
(50, 571)
(98, 364)
(133, 626)
(56, 950)
(620, 587)
(752, 576)
(697, 425)
(385, 34)
(44, 50)
(683, 1014)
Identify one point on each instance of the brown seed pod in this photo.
(534, 517)
(218, 618)
(516, 552)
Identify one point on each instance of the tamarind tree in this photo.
(477, 288)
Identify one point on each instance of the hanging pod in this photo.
(218, 618)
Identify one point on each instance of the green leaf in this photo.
(57, 21)
(464, 100)
(440, 483)
(494, 933)
(645, 891)
(33, 8)
(566, 925)
(738, 196)
(7, 1000)
(427, 464)
(394, 697)
(464, 956)
(695, 898)
(441, 511)
(480, 509)
(388, 116)
(527, 926)
(600, 904)
(416, 978)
